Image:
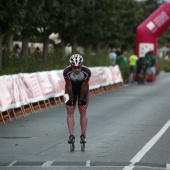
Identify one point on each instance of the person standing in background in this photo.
(17, 49)
(151, 69)
(141, 67)
(132, 67)
(112, 56)
(123, 61)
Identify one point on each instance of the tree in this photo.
(97, 24)
(47, 22)
(32, 12)
(11, 12)
(127, 16)
(69, 23)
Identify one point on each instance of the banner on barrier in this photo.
(22, 89)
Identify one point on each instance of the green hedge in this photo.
(13, 64)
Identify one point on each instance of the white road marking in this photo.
(12, 163)
(88, 163)
(167, 166)
(147, 147)
(129, 167)
(47, 163)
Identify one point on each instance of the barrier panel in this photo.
(22, 92)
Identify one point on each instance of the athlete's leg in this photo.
(70, 114)
(83, 115)
(83, 119)
(70, 119)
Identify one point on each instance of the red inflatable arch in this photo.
(150, 29)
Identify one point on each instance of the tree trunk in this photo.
(45, 47)
(10, 40)
(25, 41)
(63, 45)
(98, 46)
(88, 48)
(74, 47)
(1, 39)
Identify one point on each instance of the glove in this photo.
(82, 102)
(69, 103)
(66, 98)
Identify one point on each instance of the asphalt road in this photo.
(128, 129)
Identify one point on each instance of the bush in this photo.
(125, 72)
(14, 64)
(163, 65)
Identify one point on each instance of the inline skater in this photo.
(77, 78)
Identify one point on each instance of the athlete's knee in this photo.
(83, 115)
(82, 110)
(70, 114)
(70, 110)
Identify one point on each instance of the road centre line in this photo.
(147, 147)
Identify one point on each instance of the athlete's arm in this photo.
(68, 86)
(69, 90)
(84, 85)
(83, 89)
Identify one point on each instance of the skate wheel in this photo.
(82, 146)
(72, 147)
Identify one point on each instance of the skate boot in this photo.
(82, 142)
(82, 138)
(71, 141)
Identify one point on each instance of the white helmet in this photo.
(76, 60)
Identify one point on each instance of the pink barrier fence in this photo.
(22, 89)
